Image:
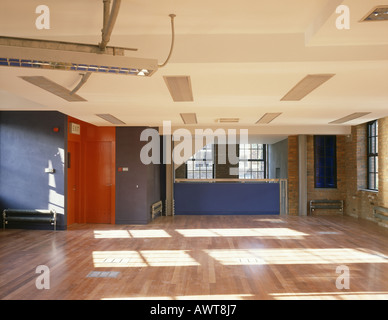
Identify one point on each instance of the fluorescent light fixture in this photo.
(143, 72)
(350, 117)
(189, 118)
(72, 67)
(53, 87)
(38, 58)
(110, 118)
(306, 86)
(379, 13)
(179, 87)
(268, 117)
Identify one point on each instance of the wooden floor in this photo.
(200, 257)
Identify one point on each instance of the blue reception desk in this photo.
(226, 198)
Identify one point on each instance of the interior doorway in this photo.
(98, 187)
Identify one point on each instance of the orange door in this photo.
(73, 185)
(98, 184)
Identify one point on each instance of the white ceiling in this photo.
(242, 57)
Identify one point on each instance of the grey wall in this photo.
(28, 145)
(278, 159)
(139, 187)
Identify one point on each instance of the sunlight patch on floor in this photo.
(118, 259)
(292, 256)
(143, 258)
(243, 232)
(123, 234)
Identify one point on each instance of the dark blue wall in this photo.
(27, 144)
(226, 198)
(139, 187)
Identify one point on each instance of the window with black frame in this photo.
(372, 155)
(252, 161)
(201, 164)
(325, 161)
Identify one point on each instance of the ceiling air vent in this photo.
(228, 120)
(53, 87)
(379, 13)
(350, 117)
(108, 117)
(179, 87)
(189, 118)
(268, 117)
(306, 86)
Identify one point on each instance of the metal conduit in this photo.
(109, 23)
(172, 16)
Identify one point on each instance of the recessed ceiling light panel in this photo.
(379, 13)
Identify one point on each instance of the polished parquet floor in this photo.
(200, 257)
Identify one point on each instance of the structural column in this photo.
(302, 155)
(170, 174)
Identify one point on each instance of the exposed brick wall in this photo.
(351, 174)
(293, 176)
(383, 162)
(359, 201)
(359, 155)
(355, 179)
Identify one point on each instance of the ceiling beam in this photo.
(319, 21)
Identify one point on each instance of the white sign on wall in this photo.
(75, 128)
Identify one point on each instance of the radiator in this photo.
(34, 215)
(156, 208)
